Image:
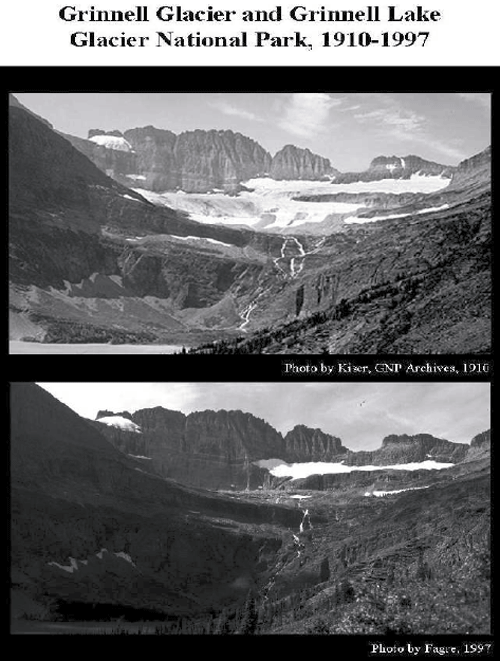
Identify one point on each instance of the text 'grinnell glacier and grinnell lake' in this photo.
(259, 39)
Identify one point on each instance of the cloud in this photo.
(445, 148)
(232, 110)
(402, 123)
(408, 126)
(481, 99)
(307, 114)
(349, 108)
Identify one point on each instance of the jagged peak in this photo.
(228, 414)
(108, 414)
(305, 428)
(114, 133)
(413, 438)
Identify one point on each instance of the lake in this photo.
(18, 347)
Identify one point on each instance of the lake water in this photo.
(96, 628)
(17, 347)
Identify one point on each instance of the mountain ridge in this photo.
(196, 161)
(222, 449)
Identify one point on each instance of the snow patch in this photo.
(354, 219)
(362, 221)
(120, 423)
(138, 456)
(270, 464)
(112, 142)
(201, 238)
(431, 209)
(301, 470)
(389, 493)
(129, 197)
(73, 565)
(125, 556)
(136, 177)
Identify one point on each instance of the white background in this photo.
(32, 34)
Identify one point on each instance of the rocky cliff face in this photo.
(159, 160)
(306, 444)
(217, 449)
(217, 159)
(294, 163)
(211, 449)
(405, 449)
(396, 167)
(480, 447)
(481, 440)
(194, 161)
(473, 174)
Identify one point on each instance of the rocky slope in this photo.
(91, 527)
(416, 284)
(471, 178)
(85, 250)
(480, 447)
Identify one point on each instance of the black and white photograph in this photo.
(251, 508)
(326, 222)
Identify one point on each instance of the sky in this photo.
(348, 128)
(360, 414)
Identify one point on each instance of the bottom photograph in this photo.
(250, 508)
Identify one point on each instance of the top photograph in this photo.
(261, 223)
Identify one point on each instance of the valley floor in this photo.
(18, 347)
(21, 626)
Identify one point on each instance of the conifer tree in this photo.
(249, 620)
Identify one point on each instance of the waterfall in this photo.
(305, 524)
